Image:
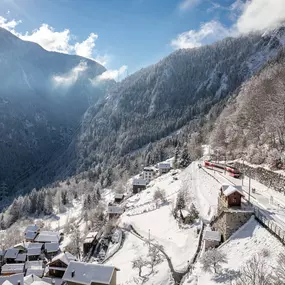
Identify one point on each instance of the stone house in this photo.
(139, 184)
(97, 274)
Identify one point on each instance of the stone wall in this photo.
(230, 221)
(269, 178)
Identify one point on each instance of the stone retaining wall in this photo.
(269, 178)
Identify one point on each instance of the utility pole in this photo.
(249, 186)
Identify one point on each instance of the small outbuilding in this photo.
(164, 168)
(139, 184)
(114, 211)
(119, 198)
(211, 239)
(89, 241)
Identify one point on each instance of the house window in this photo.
(234, 200)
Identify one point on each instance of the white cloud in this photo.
(8, 25)
(115, 74)
(49, 39)
(71, 77)
(207, 33)
(188, 4)
(59, 41)
(249, 16)
(86, 47)
(258, 15)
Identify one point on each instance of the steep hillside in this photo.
(157, 101)
(252, 126)
(42, 98)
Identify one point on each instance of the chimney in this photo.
(53, 282)
(19, 282)
(72, 273)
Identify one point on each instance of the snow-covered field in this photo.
(250, 240)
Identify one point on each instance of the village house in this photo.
(11, 255)
(34, 253)
(51, 249)
(148, 174)
(230, 196)
(97, 274)
(89, 241)
(21, 257)
(47, 237)
(211, 239)
(12, 268)
(30, 279)
(31, 232)
(119, 198)
(58, 265)
(164, 168)
(139, 184)
(15, 279)
(35, 268)
(114, 211)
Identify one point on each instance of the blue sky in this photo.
(130, 34)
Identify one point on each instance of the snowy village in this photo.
(177, 225)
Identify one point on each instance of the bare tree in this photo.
(280, 269)
(213, 260)
(139, 263)
(74, 247)
(255, 271)
(159, 195)
(155, 257)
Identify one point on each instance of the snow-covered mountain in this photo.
(173, 95)
(42, 98)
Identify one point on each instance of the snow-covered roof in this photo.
(139, 182)
(65, 257)
(13, 268)
(230, 189)
(52, 247)
(30, 235)
(34, 264)
(40, 282)
(13, 279)
(21, 257)
(34, 251)
(7, 282)
(32, 228)
(54, 281)
(212, 235)
(35, 245)
(36, 272)
(87, 273)
(148, 169)
(11, 253)
(119, 196)
(115, 210)
(90, 237)
(47, 237)
(164, 165)
(29, 279)
(2, 252)
(23, 245)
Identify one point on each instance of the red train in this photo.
(232, 171)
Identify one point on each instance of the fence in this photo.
(270, 225)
